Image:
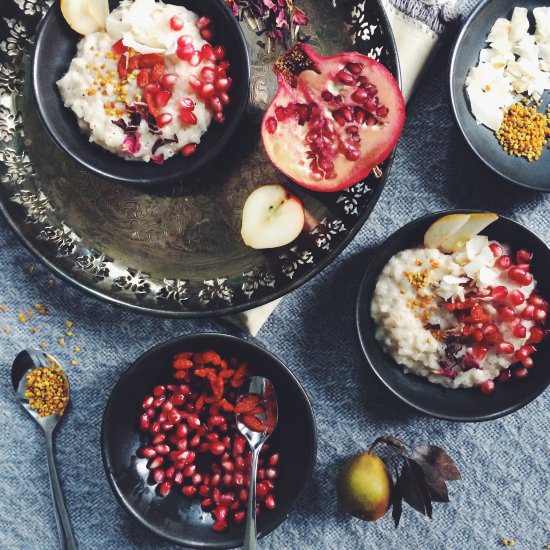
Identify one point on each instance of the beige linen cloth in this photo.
(417, 27)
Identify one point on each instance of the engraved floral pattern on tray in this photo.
(34, 187)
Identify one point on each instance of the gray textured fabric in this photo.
(505, 491)
(433, 13)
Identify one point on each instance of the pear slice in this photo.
(99, 10)
(85, 16)
(450, 233)
(272, 217)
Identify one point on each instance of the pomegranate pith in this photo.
(333, 119)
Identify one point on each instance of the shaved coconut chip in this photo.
(527, 48)
(475, 245)
(519, 24)
(487, 276)
(487, 107)
(542, 20)
(128, 40)
(501, 27)
(450, 286)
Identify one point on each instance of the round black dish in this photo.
(178, 518)
(466, 405)
(55, 35)
(465, 54)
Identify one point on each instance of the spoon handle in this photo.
(250, 529)
(67, 540)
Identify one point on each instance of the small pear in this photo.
(364, 487)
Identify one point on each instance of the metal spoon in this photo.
(264, 388)
(27, 360)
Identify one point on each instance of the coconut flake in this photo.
(519, 24)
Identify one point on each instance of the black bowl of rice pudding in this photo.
(140, 118)
(402, 352)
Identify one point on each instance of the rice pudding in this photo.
(149, 86)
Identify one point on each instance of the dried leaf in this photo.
(414, 489)
(397, 500)
(436, 459)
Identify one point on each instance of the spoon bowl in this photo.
(27, 360)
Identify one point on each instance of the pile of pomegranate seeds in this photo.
(479, 325)
(193, 445)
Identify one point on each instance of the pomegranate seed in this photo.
(224, 98)
(382, 111)
(519, 331)
(208, 75)
(326, 95)
(479, 353)
(178, 478)
(119, 48)
(176, 23)
(270, 499)
(494, 337)
(536, 335)
(155, 428)
(496, 249)
(187, 117)
(170, 473)
(271, 125)
(164, 119)
(204, 22)
(359, 115)
(206, 503)
(271, 473)
(227, 480)
(207, 34)
(217, 448)
(219, 118)
(164, 488)
(487, 387)
(216, 104)
(155, 463)
(450, 306)
(539, 315)
(220, 524)
(538, 301)
(345, 77)
(523, 256)
(354, 68)
(196, 478)
(505, 375)
(522, 353)
(147, 452)
(189, 149)
(505, 347)
(159, 391)
(503, 262)
(525, 267)
(239, 517)
(162, 98)
(147, 402)
(144, 422)
(208, 90)
(506, 312)
(520, 276)
(184, 40)
(219, 51)
(158, 475)
(520, 372)
(182, 430)
(185, 52)
(516, 297)
(499, 293)
(207, 53)
(528, 313)
(162, 449)
(527, 363)
(204, 490)
(261, 489)
(477, 335)
(222, 84)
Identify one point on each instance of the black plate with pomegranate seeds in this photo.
(177, 252)
(466, 405)
(179, 518)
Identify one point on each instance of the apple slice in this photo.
(85, 16)
(272, 217)
(450, 233)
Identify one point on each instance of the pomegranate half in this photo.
(333, 119)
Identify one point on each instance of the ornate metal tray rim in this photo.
(253, 303)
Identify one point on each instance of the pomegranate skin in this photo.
(363, 125)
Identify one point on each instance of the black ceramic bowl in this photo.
(176, 517)
(55, 35)
(468, 405)
(482, 140)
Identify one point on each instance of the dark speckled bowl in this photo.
(54, 35)
(467, 405)
(465, 54)
(179, 518)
